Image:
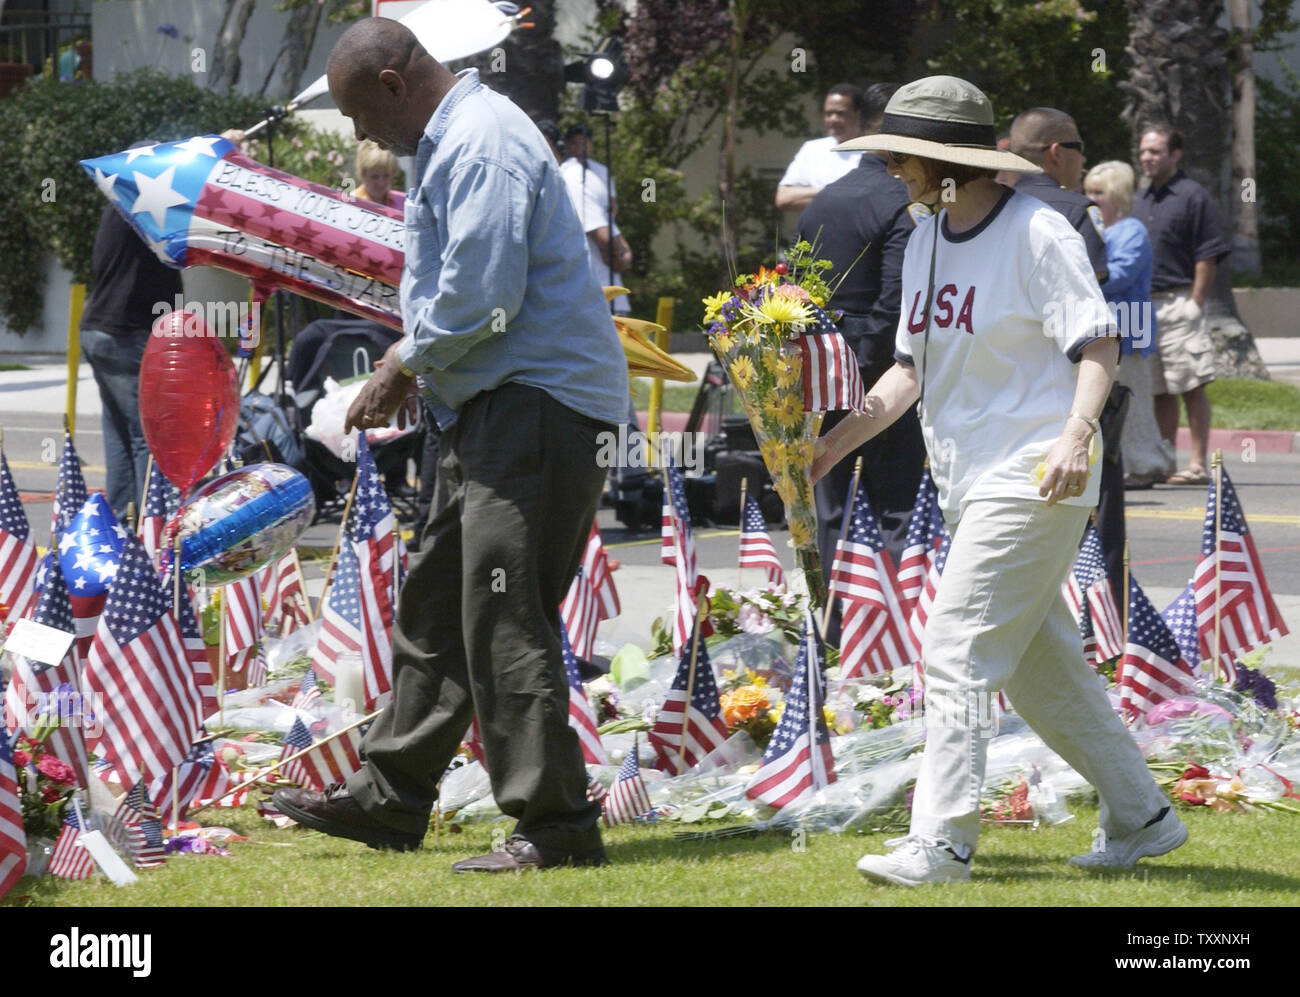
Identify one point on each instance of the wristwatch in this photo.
(405, 369)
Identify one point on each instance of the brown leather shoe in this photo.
(518, 853)
(335, 812)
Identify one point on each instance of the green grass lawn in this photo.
(1229, 860)
(1247, 404)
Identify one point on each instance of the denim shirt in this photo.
(495, 286)
(1128, 255)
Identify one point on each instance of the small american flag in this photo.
(590, 599)
(1152, 669)
(333, 761)
(298, 739)
(139, 828)
(756, 548)
(874, 634)
(70, 495)
(831, 379)
(55, 690)
(798, 758)
(18, 556)
(925, 602)
(139, 665)
(1091, 600)
(1180, 617)
(925, 533)
(628, 798)
(243, 623)
(1248, 616)
(308, 693)
(373, 520)
(281, 583)
(13, 839)
(200, 776)
(196, 651)
(353, 619)
(581, 718)
(701, 718)
(596, 791)
(69, 860)
(162, 499)
(677, 519)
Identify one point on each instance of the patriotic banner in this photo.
(756, 548)
(1248, 617)
(798, 758)
(69, 860)
(13, 839)
(831, 378)
(199, 202)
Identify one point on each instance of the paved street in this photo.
(1164, 523)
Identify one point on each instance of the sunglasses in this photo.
(898, 158)
(1076, 146)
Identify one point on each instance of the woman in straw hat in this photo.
(1006, 342)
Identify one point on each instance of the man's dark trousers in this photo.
(478, 628)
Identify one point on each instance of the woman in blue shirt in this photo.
(1147, 457)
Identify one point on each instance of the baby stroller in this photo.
(344, 348)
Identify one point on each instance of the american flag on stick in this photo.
(756, 547)
(628, 798)
(681, 554)
(798, 758)
(139, 829)
(70, 494)
(69, 859)
(138, 664)
(18, 558)
(1233, 580)
(50, 695)
(13, 838)
(873, 630)
(925, 532)
(162, 500)
(281, 583)
(831, 378)
(581, 717)
(591, 598)
(696, 722)
(353, 616)
(199, 777)
(242, 619)
(1153, 668)
(1091, 600)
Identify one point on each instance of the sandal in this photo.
(1188, 476)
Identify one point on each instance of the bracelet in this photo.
(405, 369)
(1093, 424)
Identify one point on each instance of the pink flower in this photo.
(22, 759)
(60, 772)
(50, 794)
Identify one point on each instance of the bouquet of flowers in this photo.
(45, 785)
(753, 329)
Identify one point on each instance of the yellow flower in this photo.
(789, 374)
(723, 343)
(772, 362)
(772, 453)
(784, 311)
(799, 534)
(774, 714)
(713, 305)
(758, 681)
(772, 408)
(742, 372)
(791, 410)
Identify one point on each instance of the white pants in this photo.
(999, 622)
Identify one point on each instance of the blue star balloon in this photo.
(90, 547)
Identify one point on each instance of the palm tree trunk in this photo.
(1245, 230)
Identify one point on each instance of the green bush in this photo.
(49, 127)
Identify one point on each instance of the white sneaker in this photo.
(1163, 835)
(916, 860)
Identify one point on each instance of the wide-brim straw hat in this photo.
(943, 118)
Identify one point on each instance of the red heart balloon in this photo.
(189, 398)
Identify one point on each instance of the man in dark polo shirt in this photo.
(861, 223)
(1187, 245)
(1050, 138)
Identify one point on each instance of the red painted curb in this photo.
(1236, 441)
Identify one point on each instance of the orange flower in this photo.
(792, 291)
(743, 704)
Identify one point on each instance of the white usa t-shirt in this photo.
(1015, 302)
